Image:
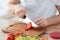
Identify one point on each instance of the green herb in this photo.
(27, 38)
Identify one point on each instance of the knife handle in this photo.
(24, 17)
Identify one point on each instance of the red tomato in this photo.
(55, 35)
(29, 26)
(10, 37)
(26, 29)
(17, 34)
(10, 34)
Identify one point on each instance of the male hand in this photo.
(21, 13)
(41, 22)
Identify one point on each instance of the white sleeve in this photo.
(57, 2)
(23, 2)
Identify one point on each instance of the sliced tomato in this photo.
(26, 29)
(29, 26)
(55, 35)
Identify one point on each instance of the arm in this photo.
(43, 22)
(55, 19)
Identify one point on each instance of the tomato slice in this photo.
(29, 26)
(55, 35)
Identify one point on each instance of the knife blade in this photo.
(27, 20)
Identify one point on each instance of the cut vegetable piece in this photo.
(29, 26)
(18, 38)
(10, 37)
(28, 38)
(10, 34)
(55, 35)
(17, 34)
(25, 38)
(26, 29)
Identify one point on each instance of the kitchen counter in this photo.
(3, 24)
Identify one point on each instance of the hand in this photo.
(41, 22)
(21, 13)
(11, 11)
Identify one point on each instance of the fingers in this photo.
(11, 11)
(44, 24)
(21, 13)
(41, 22)
(37, 20)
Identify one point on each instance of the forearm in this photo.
(53, 20)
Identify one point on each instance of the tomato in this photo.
(26, 29)
(55, 35)
(10, 37)
(17, 34)
(29, 26)
(10, 34)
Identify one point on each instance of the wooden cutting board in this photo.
(20, 28)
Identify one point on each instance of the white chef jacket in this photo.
(39, 8)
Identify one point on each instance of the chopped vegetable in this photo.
(22, 38)
(18, 38)
(17, 34)
(34, 38)
(25, 38)
(28, 38)
(29, 26)
(10, 37)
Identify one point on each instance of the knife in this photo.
(27, 20)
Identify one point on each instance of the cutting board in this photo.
(20, 27)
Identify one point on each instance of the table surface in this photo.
(3, 24)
